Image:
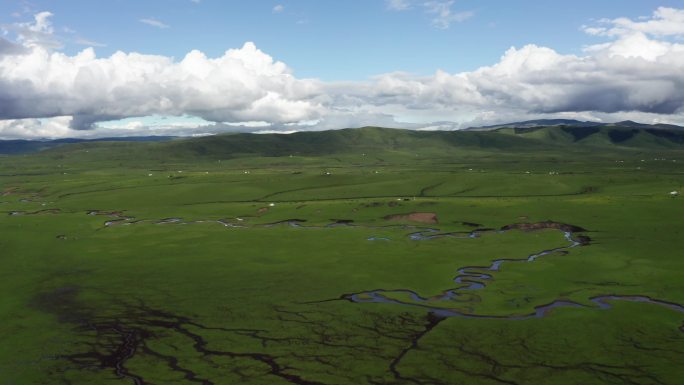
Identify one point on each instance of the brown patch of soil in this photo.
(262, 210)
(544, 225)
(429, 218)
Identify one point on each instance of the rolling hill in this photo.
(514, 138)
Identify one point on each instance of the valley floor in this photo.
(350, 269)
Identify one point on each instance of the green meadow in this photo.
(331, 258)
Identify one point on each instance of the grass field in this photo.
(179, 263)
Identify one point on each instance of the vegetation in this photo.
(270, 259)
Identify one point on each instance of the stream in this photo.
(471, 278)
(468, 278)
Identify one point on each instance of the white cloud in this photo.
(42, 23)
(89, 43)
(278, 8)
(398, 5)
(243, 84)
(52, 128)
(440, 12)
(443, 15)
(664, 22)
(154, 22)
(38, 32)
(634, 75)
(540, 80)
(637, 39)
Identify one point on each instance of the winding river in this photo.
(468, 278)
(471, 278)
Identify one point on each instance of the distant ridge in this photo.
(574, 123)
(23, 146)
(531, 136)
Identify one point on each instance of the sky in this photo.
(197, 67)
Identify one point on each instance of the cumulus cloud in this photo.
(633, 75)
(243, 84)
(540, 80)
(154, 23)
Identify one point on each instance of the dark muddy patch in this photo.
(544, 225)
(39, 212)
(342, 221)
(584, 240)
(291, 222)
(118, 218)
(372, 204)
(114, 214)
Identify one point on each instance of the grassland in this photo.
(273, 261)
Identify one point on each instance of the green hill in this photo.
(379, 142)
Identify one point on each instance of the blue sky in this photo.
(332, 40)
(191, 67)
